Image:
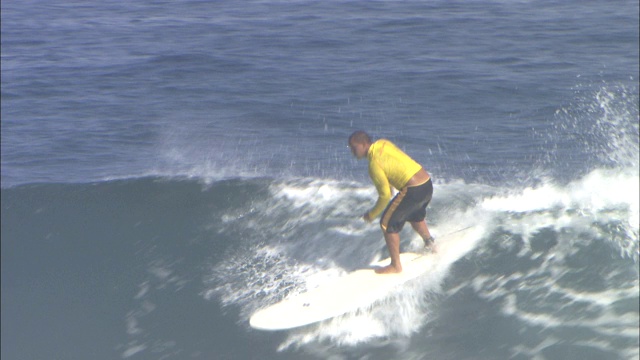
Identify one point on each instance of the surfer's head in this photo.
(359, 143)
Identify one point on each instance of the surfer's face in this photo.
(357, 149)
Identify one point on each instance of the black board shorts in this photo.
(409, 204)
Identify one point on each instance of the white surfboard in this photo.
(345, 294)
(339, 296)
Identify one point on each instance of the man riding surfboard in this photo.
(391, 167)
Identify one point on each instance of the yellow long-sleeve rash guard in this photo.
(388, 166)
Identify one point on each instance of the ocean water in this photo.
(169, 167)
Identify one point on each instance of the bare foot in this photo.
(430, 245)
(431, 249)
(389, 269)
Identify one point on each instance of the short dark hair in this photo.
(360, 137)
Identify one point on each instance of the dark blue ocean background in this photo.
(169, 167)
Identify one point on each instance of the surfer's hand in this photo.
(366, 217)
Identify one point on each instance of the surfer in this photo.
(391, 167)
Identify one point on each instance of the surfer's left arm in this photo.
(383, 187)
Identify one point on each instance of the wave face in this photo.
(164, 267)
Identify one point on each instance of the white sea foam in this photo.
(311, 241)
(600, 208)
(601, 197)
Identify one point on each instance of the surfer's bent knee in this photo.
(390, 228)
